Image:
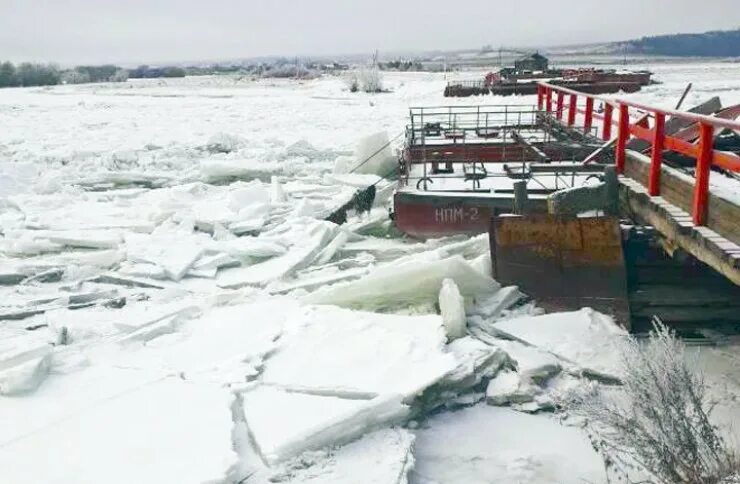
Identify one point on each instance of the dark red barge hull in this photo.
(438, 214)
(529, 88)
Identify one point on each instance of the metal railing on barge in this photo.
(473, 135)
(458, 124)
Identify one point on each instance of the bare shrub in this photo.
(365, 79)
(658, 424)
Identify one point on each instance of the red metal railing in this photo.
(639, 127)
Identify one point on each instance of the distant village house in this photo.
(534, 62)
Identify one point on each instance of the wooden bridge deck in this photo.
(717, 243)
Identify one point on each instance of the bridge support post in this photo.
(589, 116)
(559, 108)
(540, 97)
(657, 156)
(606, 132)
(572, 106)
(703, 168)
(622, 136)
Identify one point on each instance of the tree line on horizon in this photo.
(721, 43)
(29, 74)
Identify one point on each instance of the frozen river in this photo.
(174, 309)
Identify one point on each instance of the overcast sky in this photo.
(131, 31)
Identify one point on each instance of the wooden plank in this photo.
(641, 208)
(693, 315)
(723, 216)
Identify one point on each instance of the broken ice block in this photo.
(506, 389)
(338, 351)
(24, 363)
(416, 279)
(173, 253)
(287, 423)
(586, 338)
(87, 239)
(192, 443)
(452, 308)
(531, 363)
(299, 256)
(277, 195)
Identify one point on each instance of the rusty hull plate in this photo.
(563, 262)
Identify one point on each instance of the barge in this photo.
(502, 170)
(460, 166)
(590, 81)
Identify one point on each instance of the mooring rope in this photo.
(377, 152)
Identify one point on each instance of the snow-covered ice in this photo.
(175, 309)
(165, 431)
(486, 444)
(380, 457)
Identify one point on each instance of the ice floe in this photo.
(335, 351)
(169, 430)
(586, 338)
(412, 280)
(286, 423)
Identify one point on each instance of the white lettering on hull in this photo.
(454, 215)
